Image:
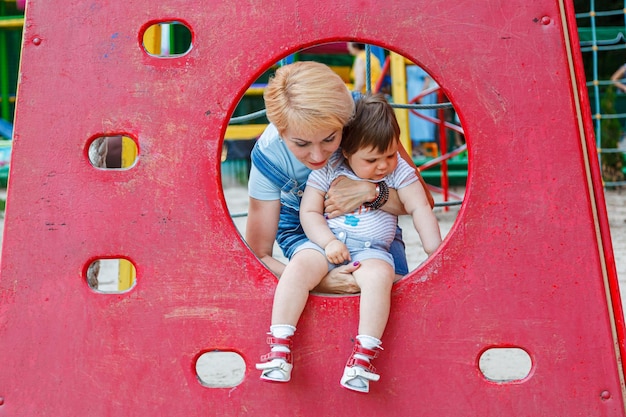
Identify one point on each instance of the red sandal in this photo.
(359, 372)
(276, 366)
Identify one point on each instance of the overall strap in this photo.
(275, 175)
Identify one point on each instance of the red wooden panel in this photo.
(528, 263)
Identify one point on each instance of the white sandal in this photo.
(276, 366)
(358, 372)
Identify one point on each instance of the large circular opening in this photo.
(430, 126)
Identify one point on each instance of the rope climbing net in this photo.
(598, 45)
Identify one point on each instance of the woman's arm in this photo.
(345, 195)
(261, 228)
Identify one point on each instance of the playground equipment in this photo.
(242, 133)
(10, 34)
(528, 266)
(596, 41)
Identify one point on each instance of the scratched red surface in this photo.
(528, 264)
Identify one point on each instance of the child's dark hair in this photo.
(374, 125)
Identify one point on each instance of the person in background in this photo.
(420, 130)
(359, 68)
(617, 78)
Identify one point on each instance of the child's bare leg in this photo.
(303, 272)
(375, 277)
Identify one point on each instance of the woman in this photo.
(307, 105)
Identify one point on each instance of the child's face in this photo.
(371, 164)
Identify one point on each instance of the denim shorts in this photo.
(290, 237)
(360, 248)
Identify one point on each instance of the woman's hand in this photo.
(340, 281)
(346, 195)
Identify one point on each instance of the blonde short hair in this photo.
(307, 96)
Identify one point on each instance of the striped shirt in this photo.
(372, 224)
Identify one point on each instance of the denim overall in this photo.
(290, 234)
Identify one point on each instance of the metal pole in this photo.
(443, 148)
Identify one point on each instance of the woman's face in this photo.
(313, 149)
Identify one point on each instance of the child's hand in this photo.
(337, 252)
